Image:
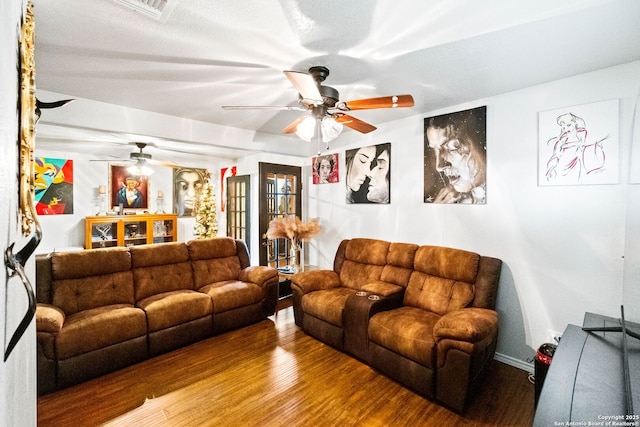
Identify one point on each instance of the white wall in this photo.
(564, 248)
(18, 372)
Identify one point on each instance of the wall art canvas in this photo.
(224, 174)
(187, 184)
(455, 157)
(53, 185)
(325, 169)
(368, 174)
(579, 145)
(126, 189)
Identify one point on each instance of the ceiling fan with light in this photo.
(327, 114)
(141, 161)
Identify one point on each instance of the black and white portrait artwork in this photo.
(455, 157)
(368, 174)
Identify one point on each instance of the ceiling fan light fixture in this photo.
(140, 170)
(330, 129)
(306, 128)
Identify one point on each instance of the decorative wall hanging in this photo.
(455, 157)
(187, 184)
(368, 178)
(127, 191)
(325, 169)
(579, 145)
(224, 174)
(53, 186)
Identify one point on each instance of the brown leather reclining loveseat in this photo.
(423, 315)
(103, 309)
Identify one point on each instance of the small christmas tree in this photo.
(206, 224)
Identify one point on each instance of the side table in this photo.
(284, 282)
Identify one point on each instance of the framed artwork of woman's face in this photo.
(187, 184)
(325, 169)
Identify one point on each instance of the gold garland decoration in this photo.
(27, 121)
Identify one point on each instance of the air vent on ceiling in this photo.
(156, 9)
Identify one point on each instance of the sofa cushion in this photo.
(355, 275)
(174, 308)
(230, 294)
(75, 295)
(92, 278)
(443, 279)
(162, 278)
(437, 294)
(214, 260)
(160, 268)
(92, 262)
(219, 247)
(448, 263)
(399, 264)
(158, 254)
(367, 251)
(99, 327)
(328, 304)
(407, 331)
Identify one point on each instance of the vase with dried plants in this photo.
(291, 227)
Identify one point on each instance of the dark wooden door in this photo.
(239, 208)
(280, 191)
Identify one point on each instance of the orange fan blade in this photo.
(305, 85)
(293, 126)
(353, 123)
(394, 101)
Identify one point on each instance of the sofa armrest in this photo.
(259, 274)
(468, 324)
(49, 318)
(383, 288)
(315, 280)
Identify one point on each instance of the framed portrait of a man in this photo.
(368, 174)
(187, 184)
(127, 190)
(455, 157)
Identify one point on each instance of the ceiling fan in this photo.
(327, 114)
(141, 161)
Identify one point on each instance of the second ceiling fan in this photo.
(327, 114)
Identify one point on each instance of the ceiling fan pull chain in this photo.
(319, 132)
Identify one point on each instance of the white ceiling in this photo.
(207, 53)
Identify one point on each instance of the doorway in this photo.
(280, 191)
(238, 208)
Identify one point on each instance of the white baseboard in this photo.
(517, 363)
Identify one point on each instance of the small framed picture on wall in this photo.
(325, 169)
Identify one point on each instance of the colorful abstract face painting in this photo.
(53, 186)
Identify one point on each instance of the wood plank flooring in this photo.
(272, 374)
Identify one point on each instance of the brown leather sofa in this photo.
(423, 315)
(103, 309)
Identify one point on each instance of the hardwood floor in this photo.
(272, 374)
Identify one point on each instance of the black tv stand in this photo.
(586, 379)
